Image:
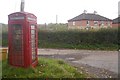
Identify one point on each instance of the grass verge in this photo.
(80, 46)
(47, 68)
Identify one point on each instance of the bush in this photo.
(5, 39)
(75, 39)
(104, 38)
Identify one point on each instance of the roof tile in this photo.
(89, 16)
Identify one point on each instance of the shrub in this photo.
(75, 39)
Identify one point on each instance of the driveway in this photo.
(98, 64)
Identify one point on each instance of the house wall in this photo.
(83, 24)
(115, 25)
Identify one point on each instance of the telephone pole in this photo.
(22, 5)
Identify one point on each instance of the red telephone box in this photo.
(22, 38)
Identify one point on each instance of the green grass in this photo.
(80, 46)
(47, 68)
(0, 69)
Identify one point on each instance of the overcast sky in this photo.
(46, 10)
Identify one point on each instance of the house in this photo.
(116, 22)
(89, 20)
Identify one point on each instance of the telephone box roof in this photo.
(24, 13)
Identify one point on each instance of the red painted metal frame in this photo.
(29, 19)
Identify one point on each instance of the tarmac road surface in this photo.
(101, 64)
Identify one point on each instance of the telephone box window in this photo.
(32, 37)
(33, 31)
(33, 40)
(17, 43)
(17, 37)
(32, 27)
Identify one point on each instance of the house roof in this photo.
(116, 20)
(89, 16)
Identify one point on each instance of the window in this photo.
(32, 37)
(33, 54)
(95, 23)
(102, 23)
(88, 22)
(32, 26)
(73, 23)
(17, 37)
(33, 42)
(33, 31)
(108, 23)
(16, 33)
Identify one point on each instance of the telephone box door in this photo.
(16, 55)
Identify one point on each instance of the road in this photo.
(98, 64)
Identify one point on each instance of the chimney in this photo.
(85, 11)
(95, 12)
